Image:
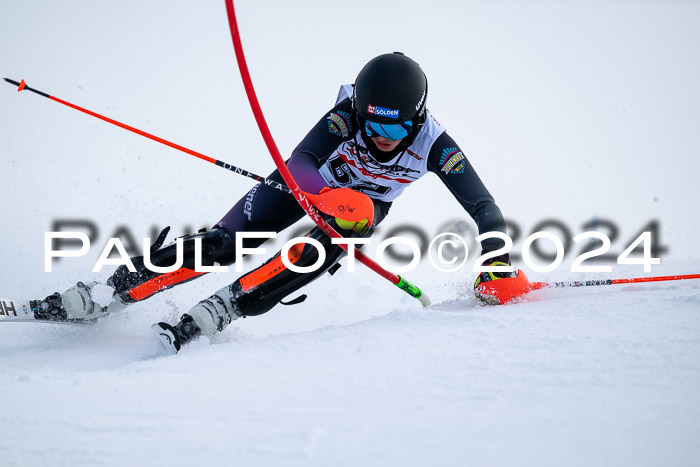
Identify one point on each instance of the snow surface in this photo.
(577, 111)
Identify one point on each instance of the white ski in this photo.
(12, 309)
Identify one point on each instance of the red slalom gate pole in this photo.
(300, 196)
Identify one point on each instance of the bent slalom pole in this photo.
(510, 288)
(22, 86)
(300, 196)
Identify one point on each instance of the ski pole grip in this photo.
(413, 291)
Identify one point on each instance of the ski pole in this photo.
(21, 86)
(300, 196)
(510, 288)
(327, 203)
(634, 280)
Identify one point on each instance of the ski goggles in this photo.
(390, 131)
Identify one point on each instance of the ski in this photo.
(12, 309)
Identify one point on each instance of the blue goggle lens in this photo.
(390, 131)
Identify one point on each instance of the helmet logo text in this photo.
(382, 112)
(420, 102)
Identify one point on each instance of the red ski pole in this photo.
(22, 86)
(508, 289)
(329, 202)
(635, 280)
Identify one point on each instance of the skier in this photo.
(377, 140)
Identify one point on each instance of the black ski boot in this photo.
(76, 304)
(174, 337)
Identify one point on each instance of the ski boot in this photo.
(82, 303)
(205, 318)
(174, 337)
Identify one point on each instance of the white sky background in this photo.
(568, 110)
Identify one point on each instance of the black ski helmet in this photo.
(389, 89)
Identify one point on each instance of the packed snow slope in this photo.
(604, 378)
(581, 114)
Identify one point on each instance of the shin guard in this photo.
(217, 248)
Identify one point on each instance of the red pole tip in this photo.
(21, 86)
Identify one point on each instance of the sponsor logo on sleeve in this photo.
(452, 161)
(382, 112)
(339, 124)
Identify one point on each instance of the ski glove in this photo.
(502, 260)
(360, 226)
